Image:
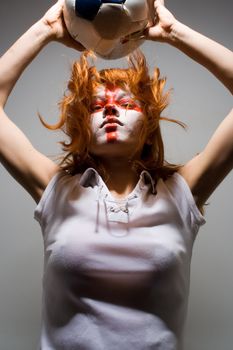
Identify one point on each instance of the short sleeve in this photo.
(41, 206)
(184, 200)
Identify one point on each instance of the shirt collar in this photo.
(146, 180)
(91, 178)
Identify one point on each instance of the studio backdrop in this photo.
(197, 99)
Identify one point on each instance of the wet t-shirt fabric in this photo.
(116, 272)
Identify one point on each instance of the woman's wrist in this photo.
(177, 33)
(43, 32)
(20, 55)
(184, 37)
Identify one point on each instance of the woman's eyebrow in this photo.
(121, 95)
(98, 97)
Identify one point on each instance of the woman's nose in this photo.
(110, 109)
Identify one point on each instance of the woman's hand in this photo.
(161, 29)
(53, 18)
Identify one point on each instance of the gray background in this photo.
(198, 99)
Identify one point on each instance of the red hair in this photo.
(75, 113)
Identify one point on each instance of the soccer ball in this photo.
(102, 25)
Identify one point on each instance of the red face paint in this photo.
(112, 136)
(114, 97)
(112, 101)
(116, 117)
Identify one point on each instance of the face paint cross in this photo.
(116, 120)
(116, 117)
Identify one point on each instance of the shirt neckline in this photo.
(91, 178)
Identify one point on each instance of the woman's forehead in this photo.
(105, 91)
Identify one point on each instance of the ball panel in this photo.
(117, 50)
(113, 1)
(85, 31)
(87, 8)
(69, 6)
(104, 47)
(87, 36)
(80, 29)
(69, 15)
(138, 9)
(137, 27)
(112, 21)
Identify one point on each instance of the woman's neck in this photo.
(119, 177)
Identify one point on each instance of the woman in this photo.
(117, 246)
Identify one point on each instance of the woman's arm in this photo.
(49, 28)
(28, 166)
(212, 55)
(19, 56)
(207, 170)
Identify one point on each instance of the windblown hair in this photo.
(75, 108)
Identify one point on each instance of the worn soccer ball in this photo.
(102, 25)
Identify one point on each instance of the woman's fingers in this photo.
(158, 3)
(158, 6)
(161, 27)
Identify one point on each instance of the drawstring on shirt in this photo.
(98, 209)
(91, 178)
(106, 214)
(121, 206)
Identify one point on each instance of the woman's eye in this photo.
(128, 105)
(96, 108)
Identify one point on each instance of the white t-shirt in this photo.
(116, 272)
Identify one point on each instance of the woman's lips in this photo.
(109, 127)
(111, 121)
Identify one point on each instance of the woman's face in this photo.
(116, 120)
